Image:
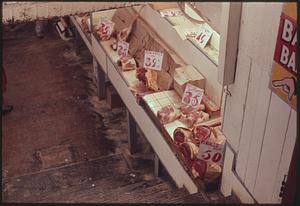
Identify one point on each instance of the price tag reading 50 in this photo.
(211, 153)
(192, 95)
(122, 48)
(153, 60)
(105, 26)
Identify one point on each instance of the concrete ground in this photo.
(60, 143)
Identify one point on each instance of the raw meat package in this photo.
(189, 151)
(194, 118)
(187, 74)
(181, 135)
(200, 133)
(168, 114)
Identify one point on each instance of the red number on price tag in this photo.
(122, 48)
(153, 60)
(192, 95)
(105, 26)
(211, 152)
(203, 35)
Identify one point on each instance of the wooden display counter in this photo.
(129, 88)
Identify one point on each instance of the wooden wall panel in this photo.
(259, 25)
(276, 128)
(235, 104)
(289, 144)
(259, 123)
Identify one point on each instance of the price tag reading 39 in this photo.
(122, 48)
(153, 60)
(105, 26)
(192, 95)
(203, 35)
(211, 152)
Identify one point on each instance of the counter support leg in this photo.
(100, 79)
(132, 136)
(77, 42)
(157, 166)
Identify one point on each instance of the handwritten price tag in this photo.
(203, 35)
(105, 26)
(153, 60)
(211, 152)
(192, 95)
(171, 13)
(122, 48)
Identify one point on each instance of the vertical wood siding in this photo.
(260, 127)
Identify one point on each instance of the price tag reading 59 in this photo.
(153, 60)
(192, 95)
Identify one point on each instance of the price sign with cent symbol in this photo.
(153, 60)
(211, 153)
(171, 13)
(122, 48)
(203, 35)
(192, 95)
(105, 26)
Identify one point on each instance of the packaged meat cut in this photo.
(189, 151)
(141, 74)
(213, 171)
(181, 135)
(114, 45)
(128, 63)
(203, 117)
(211, 122)
(168, 114)
(186, 109)
(200, 133)
(211, 107)
(193, 118)
(199, 168)
(187, 74)
(151, 77)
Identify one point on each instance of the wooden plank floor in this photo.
(60, 143)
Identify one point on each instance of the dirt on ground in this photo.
(61, 143)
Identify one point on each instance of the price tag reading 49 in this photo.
(211, 152)
(122, 48)
(203, 35)
(153, 60)
(192, 95)
(105, 26)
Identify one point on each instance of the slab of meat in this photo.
(186, 109)
(189, 151)
(141, 74)
(194, 117)
(199, 168)
(168, 114)
(203, 117)
(128, 63)
(151, 80)
(181, 135)
(200, 133)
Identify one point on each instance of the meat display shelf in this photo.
(186, 50)
(86, 37)
(154, 131)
